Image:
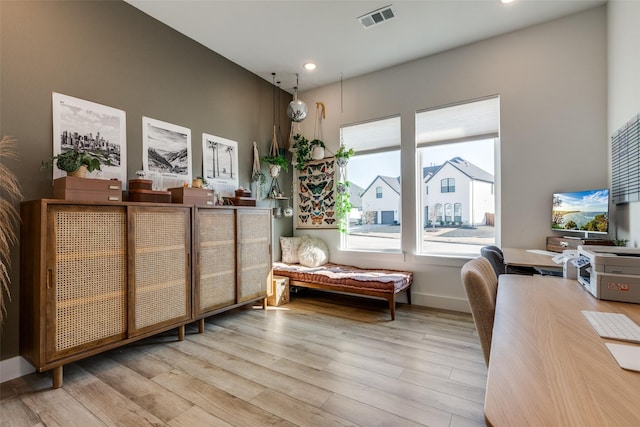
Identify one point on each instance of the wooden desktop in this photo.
(526, 258)
(548, 367)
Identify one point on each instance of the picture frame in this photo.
(220, 164)
(166, 153)
(91, 127)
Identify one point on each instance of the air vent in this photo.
(377, 16)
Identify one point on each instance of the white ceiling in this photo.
(267, 36)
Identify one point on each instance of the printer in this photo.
(609, 272)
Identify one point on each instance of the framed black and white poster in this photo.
(94, 128)
(314, 194)
(220, 163)
(166, 153)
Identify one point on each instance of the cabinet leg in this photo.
(264, 304)
(56, 376)
(201, 325)
(181, 333)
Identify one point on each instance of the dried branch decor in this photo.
(8, 217)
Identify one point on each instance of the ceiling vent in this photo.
(376, 17)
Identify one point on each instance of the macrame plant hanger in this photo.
(274, 189)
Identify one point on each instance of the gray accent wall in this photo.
(111, 53)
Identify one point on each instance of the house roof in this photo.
(356, 195)
(464, 166)
(392, 182)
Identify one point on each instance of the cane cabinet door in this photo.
(86, 283)
(159, 267)
(254, 253)
(215, 272)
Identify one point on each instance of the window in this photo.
(448, 185)
(456, 147)
(374, 171)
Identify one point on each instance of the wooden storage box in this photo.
(87, 189)
(192, 196)
(279, 293)
(140, 184)
(149, 196)
(559, 244)
(240, 201)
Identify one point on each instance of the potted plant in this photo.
(342, 155)
(343, 206)
(77, 162)
(303, 150)
(317, 149)
(276, 163)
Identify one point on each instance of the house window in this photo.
(374, 171)
(456, 148)
(448, 185)
(448, 211)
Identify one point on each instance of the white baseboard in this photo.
(14, 368)
(438, 301)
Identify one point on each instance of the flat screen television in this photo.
(581, 211)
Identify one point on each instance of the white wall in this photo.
(624, 92)
(551, 79)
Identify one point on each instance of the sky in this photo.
(362, 170)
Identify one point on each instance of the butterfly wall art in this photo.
(314, 187)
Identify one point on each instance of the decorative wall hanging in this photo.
(166, 153)
(93, 128)
(315, 195)
(220, 163)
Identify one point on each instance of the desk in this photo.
(524, 258)
(548, 367)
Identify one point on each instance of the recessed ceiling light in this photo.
(506, 1)
(310, 66)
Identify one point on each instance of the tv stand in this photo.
(559, 244)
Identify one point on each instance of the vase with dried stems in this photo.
(9, 218)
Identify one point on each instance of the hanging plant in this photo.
(303, 150)
(342, 155)
(343, 206)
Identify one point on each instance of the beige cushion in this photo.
(289, 247)
(313, 252)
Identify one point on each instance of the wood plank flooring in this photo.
(322, 360)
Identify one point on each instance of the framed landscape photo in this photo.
(220, 163)
(166, 153)
(94, 128)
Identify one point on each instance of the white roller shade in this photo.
(373, 136)
(471, 120)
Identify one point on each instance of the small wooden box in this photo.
(149, 196)
(559, 244)
(140, 184)
(279, 291)
(192, 196)
(87, 189)
(240, 201)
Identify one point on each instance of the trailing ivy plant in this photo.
(343, 206)
(303, 150)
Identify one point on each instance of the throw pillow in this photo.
(313, 252)
(289, 247)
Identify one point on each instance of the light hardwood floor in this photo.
(321, 360)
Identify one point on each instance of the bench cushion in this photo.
(349, 277)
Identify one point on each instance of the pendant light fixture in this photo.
(297, 110)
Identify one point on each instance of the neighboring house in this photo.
(458, 192)
(382, 198)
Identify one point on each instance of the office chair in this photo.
(496, 258)
(481, 285)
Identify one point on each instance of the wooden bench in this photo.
(379, 283)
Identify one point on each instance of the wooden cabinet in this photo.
(233, 258)
(95, 276)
